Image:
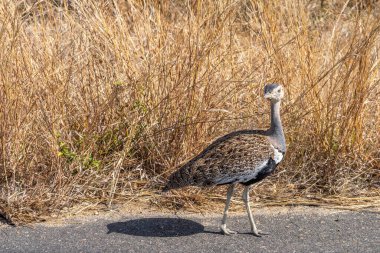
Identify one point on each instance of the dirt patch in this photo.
(142, 208)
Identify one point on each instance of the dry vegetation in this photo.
(101, 100)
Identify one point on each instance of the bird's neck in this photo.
(275, 131)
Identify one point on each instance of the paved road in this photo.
(317, 231)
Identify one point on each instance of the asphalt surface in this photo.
(319, 231)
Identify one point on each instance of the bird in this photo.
(241, 157)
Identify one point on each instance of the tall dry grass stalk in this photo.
(101, 100)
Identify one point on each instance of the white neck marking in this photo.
(277, 155)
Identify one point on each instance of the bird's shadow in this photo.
(157, 227)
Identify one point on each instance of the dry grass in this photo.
(101, 100)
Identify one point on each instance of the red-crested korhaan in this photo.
(245, 157)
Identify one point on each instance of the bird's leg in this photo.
(251, 221)
(223, 227)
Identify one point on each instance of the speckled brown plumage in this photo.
(245, 157)
(231, 158)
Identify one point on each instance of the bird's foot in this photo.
(259, 233)
(226, 231)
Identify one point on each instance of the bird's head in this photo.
(274, 92)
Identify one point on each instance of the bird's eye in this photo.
(278, 90)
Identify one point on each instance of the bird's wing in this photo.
(233, 158)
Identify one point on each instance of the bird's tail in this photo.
(178, 179)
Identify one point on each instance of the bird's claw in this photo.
(259, 233)
(227, 231)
